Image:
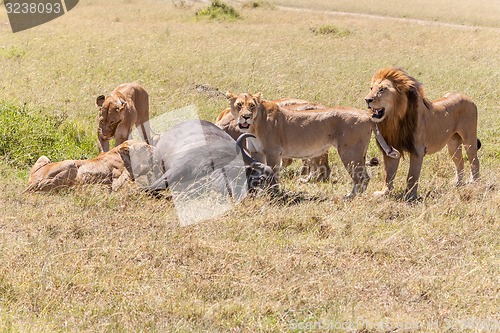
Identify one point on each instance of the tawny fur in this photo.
(126, 106)
(316, 168)
(281, 133)
(413, 124)
(112, 168)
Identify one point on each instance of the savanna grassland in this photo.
(93, 261)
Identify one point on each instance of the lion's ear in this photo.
(258, 96)
(99, 100)
(42, 160)
(230, 95)
(124, 148)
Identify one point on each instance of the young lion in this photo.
(281, 133)
(127, 161)
(410, 122)
(126, 106)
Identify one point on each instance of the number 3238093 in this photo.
(33, 8)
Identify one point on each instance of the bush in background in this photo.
(26, 134)
(218, 10)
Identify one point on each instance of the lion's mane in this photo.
(399, 129)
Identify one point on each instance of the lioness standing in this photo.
(127, 105)
(281, 133)
(316, 168)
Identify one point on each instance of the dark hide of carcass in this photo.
(198, 157)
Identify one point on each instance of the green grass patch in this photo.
(330, 30)
(219, 11)
(26, 134)
(13, 52)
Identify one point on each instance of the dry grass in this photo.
(89, 260)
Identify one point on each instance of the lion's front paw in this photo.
(349, 196)
(381, 193)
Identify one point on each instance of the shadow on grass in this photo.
(278, 198)
(290, 198)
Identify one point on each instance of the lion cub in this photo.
(281, 133)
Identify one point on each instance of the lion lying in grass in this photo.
(411, 123)
(125, 162)
(281, 133)
(316, 168)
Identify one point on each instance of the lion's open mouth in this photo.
(378, 113)
(245, 125)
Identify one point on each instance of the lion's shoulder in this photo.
(271, 108)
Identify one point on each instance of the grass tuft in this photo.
(13, 52)
(182, 4)
(258, 4)
(330, 30)
(219, 11)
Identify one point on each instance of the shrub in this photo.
(330, 30)
(25, 135)
(218, 10)
(258, 4)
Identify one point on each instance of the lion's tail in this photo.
(478, 144)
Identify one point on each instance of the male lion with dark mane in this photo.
(411, 123)
(281, 133)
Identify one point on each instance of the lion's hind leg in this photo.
(316, 168)
(471, 147)
(455, 151)
(320, 169)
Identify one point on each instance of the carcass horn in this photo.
(239, 142)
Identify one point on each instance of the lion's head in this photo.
(395, 99)
(111, 114)
(244, 108)
(137, 157)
